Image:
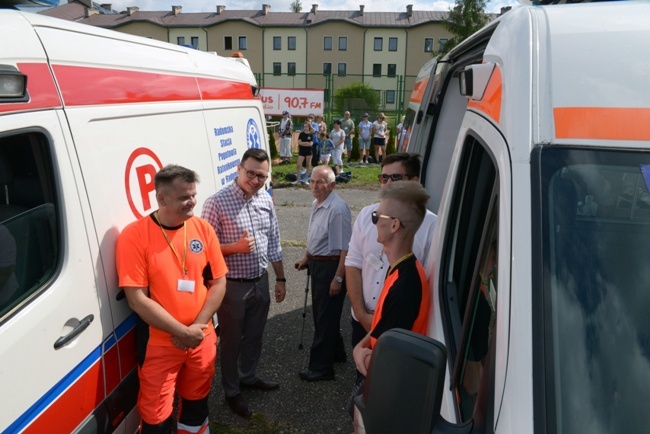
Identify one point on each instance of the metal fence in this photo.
(391, 93)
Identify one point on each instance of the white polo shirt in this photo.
(367, 254)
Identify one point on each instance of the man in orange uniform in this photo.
(173, 274)
(405, 298)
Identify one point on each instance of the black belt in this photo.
(323, 258)
(242, 280)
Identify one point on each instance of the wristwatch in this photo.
(339, 279)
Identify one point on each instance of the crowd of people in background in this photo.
(333, 145)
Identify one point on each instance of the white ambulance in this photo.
(416, 108)
(540, 263)
(79, 146)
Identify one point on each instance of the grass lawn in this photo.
(363, 175)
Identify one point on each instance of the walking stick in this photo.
(304, 311)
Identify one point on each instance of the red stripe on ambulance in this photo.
(74, 405)
(40, 88)
(81, 86)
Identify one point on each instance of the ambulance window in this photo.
(29, 248)
(470, 270)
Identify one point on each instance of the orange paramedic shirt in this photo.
(145, 259)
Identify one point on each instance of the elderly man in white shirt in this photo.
(328, 237)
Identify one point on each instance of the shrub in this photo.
(357, 97)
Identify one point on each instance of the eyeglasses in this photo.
(383, 178)
(376, 216)
(251, 175)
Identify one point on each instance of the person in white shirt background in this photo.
(366, 264)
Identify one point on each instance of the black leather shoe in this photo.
(261, 385)
(309, 375)
(239, 406)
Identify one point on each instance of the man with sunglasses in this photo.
(366, 263)
(404, 301)
(244, 219)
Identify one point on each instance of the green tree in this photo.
(296, 6)
(358, 98)
(465, 18)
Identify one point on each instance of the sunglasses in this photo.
(376, 216)
(251, 175)
(384, 178)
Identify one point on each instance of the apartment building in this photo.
(319, 42)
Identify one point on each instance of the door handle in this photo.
(83, 325)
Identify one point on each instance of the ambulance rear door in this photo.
(234, 118)
(415, 119)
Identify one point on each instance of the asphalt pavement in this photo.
(298, 406)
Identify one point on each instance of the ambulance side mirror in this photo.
(403, 390)
(474, 79)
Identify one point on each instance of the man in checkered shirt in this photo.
(244, 218)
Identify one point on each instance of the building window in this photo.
(180, 40)
(227, 42)
(291, 68)
(327, 69)
(441, 43)
(392, 44)
(376, 69)
(343, 69)
(327, 43)
(379, 44)
(343, 43)
(195, 42)
(428, 45)
(291, 43)
(242, 42)
(277, 42)
(390, 97)
(392, 70)
(277, 68)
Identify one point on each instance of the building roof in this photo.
(76, 11)
(73, 11)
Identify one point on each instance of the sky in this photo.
(283, 5)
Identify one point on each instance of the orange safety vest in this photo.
(422, 320)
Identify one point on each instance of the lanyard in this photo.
(399, 261)
(183, 269)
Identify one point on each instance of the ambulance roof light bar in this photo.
(13, 84)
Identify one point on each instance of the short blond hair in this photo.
(413, 198)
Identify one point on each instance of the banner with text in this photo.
(298, 102)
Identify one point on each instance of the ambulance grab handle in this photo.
(83, 325)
